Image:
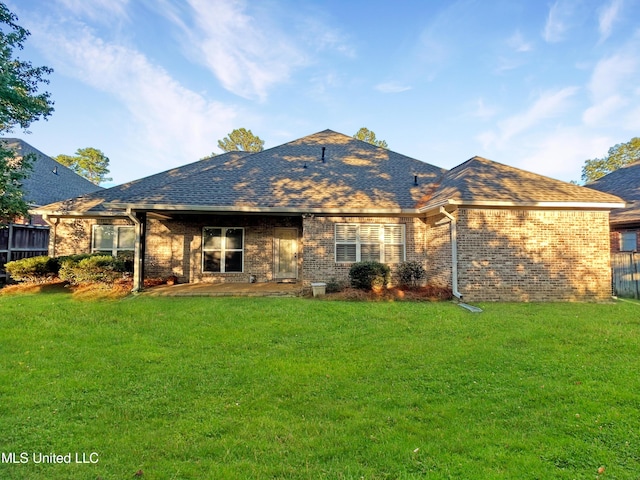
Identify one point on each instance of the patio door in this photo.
(286, 253)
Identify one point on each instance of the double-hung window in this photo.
(112, 239)
(369, 242)
(223, 249)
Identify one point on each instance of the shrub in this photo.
(91, 268)
(334, 285)
(33, 269)
(411, 274)
(368, 275)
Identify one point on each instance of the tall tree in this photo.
(89, 163)
(368, 136)
(242, 140)
(618, 156)
(21, 103)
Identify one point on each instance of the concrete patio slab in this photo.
(226, 290)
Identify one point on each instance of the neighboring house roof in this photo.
(623, 182)
(49, 181)
(353, 177)
(479, 181)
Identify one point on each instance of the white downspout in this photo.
(138, 281)
(454, 252)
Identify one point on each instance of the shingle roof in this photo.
(479, 180)
(625, 183)
(49, 180)
(354, 176)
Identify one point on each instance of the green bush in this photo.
(33, 269)
(410, 274)
(368, 275)
(91, 268)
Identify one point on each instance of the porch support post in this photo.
(139, 221)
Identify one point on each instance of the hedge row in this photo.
(76, 269)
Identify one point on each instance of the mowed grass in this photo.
(174, 388)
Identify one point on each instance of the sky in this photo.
(535, 84)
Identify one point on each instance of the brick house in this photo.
(307, 210)
(625, 222)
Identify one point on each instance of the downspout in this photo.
(138, 281)
(454, 252)
(54, 227)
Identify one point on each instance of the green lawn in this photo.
(300, 388)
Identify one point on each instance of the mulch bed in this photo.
(428, 293)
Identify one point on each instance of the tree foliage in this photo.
(242, 140)
(89, 163)
(618, 156)
(368, 136)
(21, 103)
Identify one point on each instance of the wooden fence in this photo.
(22, 241)
(626, 274)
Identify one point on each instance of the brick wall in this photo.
(72, 236)
(616, 240)
(319, 263)
(523, 255)
(439, 252)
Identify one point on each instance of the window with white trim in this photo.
(357, 242)
(222, 250)
(111, 239)
(628, 241)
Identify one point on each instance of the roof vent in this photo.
(323, 150)
(415, 179)
(55, 170)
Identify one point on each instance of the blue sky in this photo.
(539, 85)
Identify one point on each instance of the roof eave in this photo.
(257, 209)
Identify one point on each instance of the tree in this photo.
(618, 156)
(241, 140)
(368, 136)
(21, 103)
(89, 163)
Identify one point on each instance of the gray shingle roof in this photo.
(479, 180)
(625, 183)
(354, 175)
(49, 181)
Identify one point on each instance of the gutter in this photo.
(453, 228)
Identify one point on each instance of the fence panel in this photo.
(626, 274)
(22, 241)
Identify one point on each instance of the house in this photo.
(48, 182)
(307, 210)
(625, 222)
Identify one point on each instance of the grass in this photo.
(172, 388)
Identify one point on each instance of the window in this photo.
(366, 242)
(628, 241)
(223, 250)
(111, 239)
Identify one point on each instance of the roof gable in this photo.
(623, 182)
(482, 181)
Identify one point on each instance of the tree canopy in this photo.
(618, 156)
(368, 136)
(89, 163)
(21, 103)
(241, 140)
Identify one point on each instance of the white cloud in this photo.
(607, 17)
(562, 153)
(482, 110)
(558, 21)
(102, 10)
(548, 105)
(251, 48)
(612, 87)
(170, 123)
(392, 87)
(518, 43)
